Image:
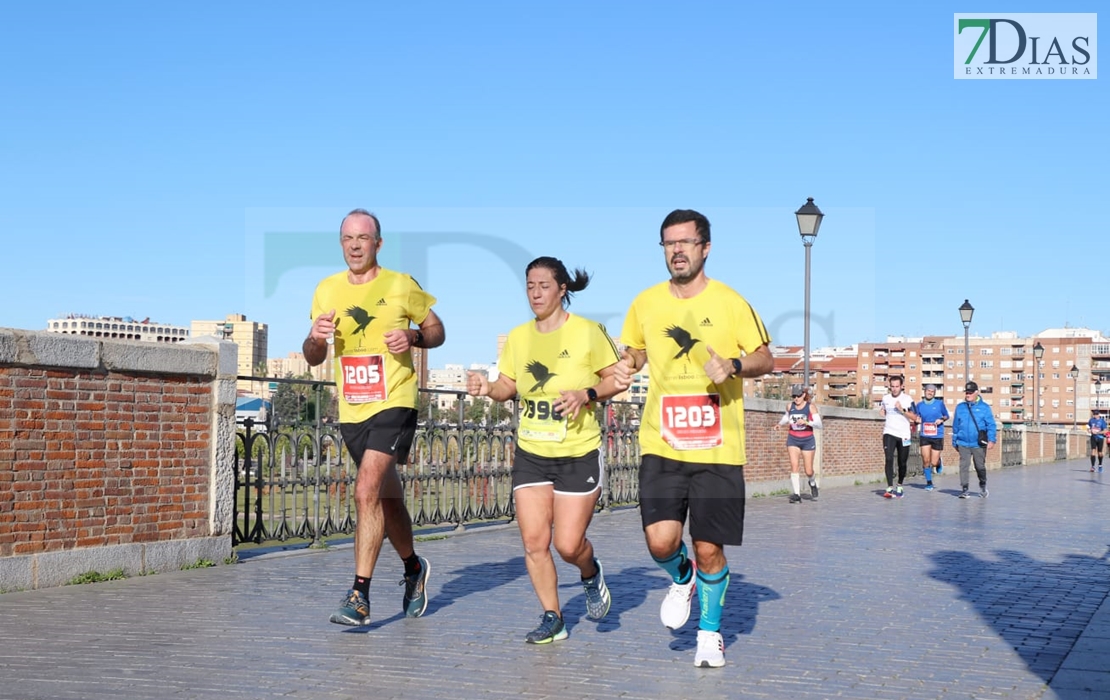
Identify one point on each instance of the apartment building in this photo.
(117, 327)
(251, 337)
(833, 374)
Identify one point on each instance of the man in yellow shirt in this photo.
(700, 337)
(365, 312)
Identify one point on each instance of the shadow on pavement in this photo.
(477, 578)
(1038, 608)
(628, 589)
(741, 608)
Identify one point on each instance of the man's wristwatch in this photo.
(737, 366)
(418, 342)
(591, 394)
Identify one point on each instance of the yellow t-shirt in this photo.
(368, 377)
(542, 365)
(687, 417)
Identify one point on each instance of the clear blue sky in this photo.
(187, 161)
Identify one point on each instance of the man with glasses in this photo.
(701, 338)
(365, 313)
(973, 431)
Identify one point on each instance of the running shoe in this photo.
(965, 494)
(675, 610)
(929, 486)
(984, 492)
(898, 493)
(415, 601)
(354, 611)
(889, 492)
(711, 650)
(813, 489)
(551, 629)
(795, 498)
(597, 594)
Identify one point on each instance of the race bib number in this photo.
(929, 429)
(691, 422)
(539, 421)
(906, 442)
(363, 378)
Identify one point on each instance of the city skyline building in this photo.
(117, 328)
(251, 337)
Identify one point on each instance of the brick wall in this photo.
(850, 446)
(109, 456)
(101, 458)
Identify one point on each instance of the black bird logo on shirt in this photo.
(540, 373)
(685, 341)
(360, 316)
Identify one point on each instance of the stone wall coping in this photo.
(202, 357)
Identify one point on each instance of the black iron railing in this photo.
(1012, 441)
(295, 480)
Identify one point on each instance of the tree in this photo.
(499, 412)
(423, 403)
(475, 411)
(623, 412)
(286, 405)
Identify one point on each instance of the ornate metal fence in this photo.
(1012, 441)
(295, 480)
(1061, 446)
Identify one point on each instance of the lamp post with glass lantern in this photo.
(809, 221)
(966, 311)
(1074, 374)
(1038, 353)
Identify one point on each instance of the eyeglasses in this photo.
(684, 242)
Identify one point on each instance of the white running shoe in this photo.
(675, 610)
(711, 650)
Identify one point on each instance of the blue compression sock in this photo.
(677, 565)
(711, 596)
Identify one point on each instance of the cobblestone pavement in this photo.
(851, 596)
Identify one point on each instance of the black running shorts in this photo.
(576, 476)
(390, 432)
(711, 494)
(933, 442)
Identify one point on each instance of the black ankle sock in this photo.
(362, 585)
(412, 565)
(597, 570)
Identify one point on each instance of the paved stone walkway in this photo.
(851, 596)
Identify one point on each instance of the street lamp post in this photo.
(1074, 374)
(966, 312)
(1038, 353)
(809, 221)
